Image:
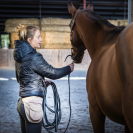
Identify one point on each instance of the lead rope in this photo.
(57, 109)
(69, 103)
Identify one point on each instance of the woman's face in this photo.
(36, 41)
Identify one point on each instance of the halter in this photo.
(79, 50)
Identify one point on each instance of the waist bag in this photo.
(33, 108)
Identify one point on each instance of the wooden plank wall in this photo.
(55, 57)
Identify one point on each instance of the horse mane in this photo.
(101, 22)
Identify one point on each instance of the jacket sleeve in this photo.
(41, 67)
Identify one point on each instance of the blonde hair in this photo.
(25, 32)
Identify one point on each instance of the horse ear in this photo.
(90, 6)
(71, 8)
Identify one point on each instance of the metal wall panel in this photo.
(109, 9)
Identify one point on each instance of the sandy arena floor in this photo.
(80, 120)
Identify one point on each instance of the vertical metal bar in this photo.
(125, 9)
(129, 11)
(84, 4)
(40, 9)
(40, 15)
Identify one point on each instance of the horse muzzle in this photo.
(78, 58)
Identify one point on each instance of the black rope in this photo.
(67, 57)
(69, 103)
(57, 109)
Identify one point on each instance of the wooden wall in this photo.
(55, 57)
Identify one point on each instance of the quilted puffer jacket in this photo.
(31, 68)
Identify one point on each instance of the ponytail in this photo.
(25, 32)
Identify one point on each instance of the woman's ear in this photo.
(29, 40)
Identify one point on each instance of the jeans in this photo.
(26, 126)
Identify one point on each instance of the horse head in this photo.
(89, 31)
(77, 43)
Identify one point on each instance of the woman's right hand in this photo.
(71, 66)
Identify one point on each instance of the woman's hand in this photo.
(71, 66)
(48, 82)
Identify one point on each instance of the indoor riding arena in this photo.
(84, 107)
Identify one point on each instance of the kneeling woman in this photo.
(31, 68)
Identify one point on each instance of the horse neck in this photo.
(95, 37)
(111, 35)
(92, 38)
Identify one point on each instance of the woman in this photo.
(31, 68)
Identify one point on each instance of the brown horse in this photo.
(109, 79)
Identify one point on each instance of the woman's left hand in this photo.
(48, 82)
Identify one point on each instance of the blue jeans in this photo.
(26, 126)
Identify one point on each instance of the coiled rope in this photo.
(57, 109)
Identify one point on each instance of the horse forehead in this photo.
(77, 11)
(75, 14)
(70, 25)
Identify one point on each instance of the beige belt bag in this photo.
(33, 108)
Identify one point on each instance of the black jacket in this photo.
(31, 68)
